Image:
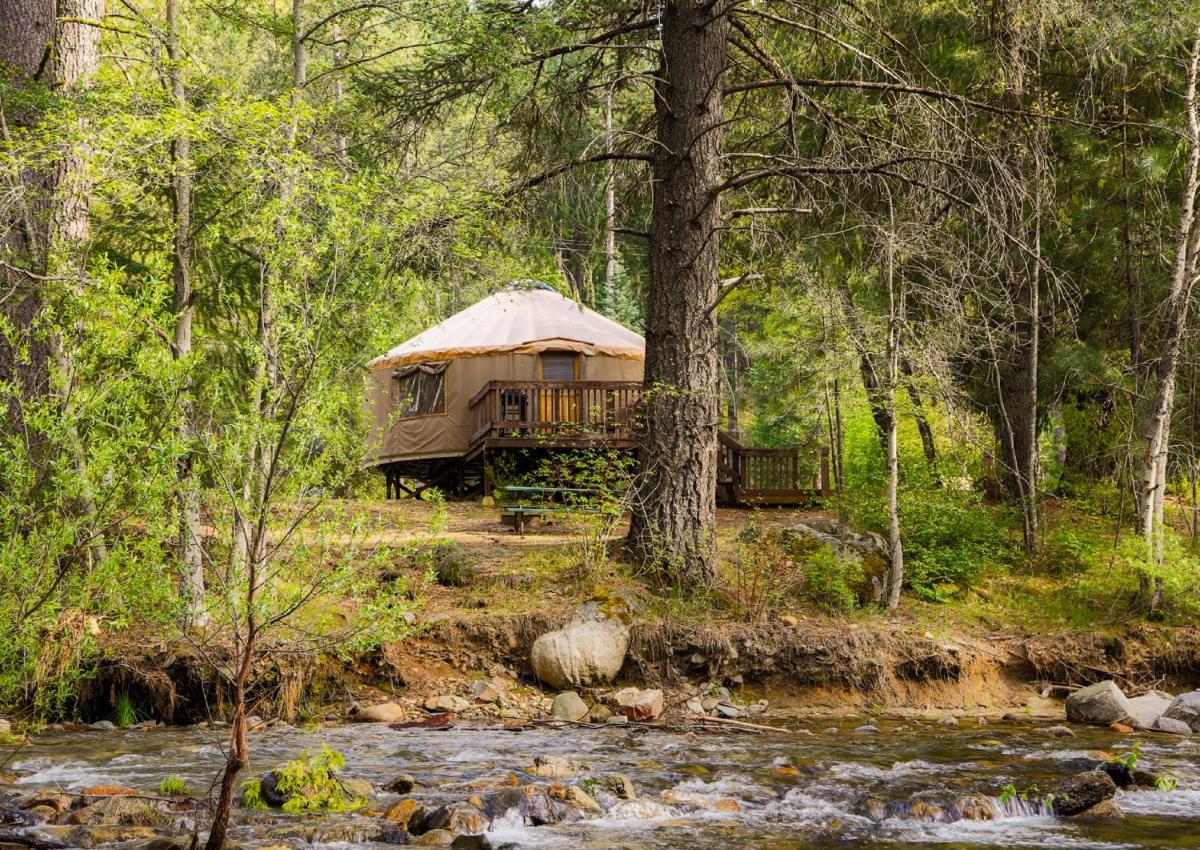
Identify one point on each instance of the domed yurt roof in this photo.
(522, 319)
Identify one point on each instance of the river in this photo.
(792, 791)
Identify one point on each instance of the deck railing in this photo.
(576, 410)
(766, 474)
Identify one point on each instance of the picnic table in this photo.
(522, 512)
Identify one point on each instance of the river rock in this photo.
(972, 807)
(867, 729)
(587, 652)
(619, 785)
(599, 713)
(1149, 707)
(1076, 794)
(50, 798)
(1060, 731)
(384, 712)
(616, 720)
(1099, 704)
(1185, 707)
(404, 811)
(456, 818)
(640, 704)
(446, 702)
(122, 810)
(1172, 726)
(5, 727)
(103, 726)
(725, 709)
(569, 706)
(1104, 811)
(556, 767)
(359, 830)
(402, 783)
(473, 842)
(694, 706)
(487, 690)
(434, 838)
(533, 803)
(355, 788)
(108, 835)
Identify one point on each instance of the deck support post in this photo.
(487, 476)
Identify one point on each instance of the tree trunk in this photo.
(1155, 428)
(928, 446)
(671, 527)
(191, 560)
(610, 208)
(895, 546)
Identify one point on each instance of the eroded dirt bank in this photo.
(807, 668)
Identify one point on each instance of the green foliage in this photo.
(1167, 783)
(830, 581)
(311, 783)
(124, 714)
(174, 786)
(252, 795)
(1130, 759)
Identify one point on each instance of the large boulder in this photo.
(384, 712)
(1076, 794)
(1099, 704)
(1185, 707)
(569, 706)
(1172, 726)
(587, 652)
(1149, 707)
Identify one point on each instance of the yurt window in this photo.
(559, 365)
(421, 389)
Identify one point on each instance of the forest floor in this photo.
(1015, 641)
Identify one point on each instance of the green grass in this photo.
(173, 786)
(124, 714)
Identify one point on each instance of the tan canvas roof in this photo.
(524, 321)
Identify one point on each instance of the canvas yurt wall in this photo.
(500, 338)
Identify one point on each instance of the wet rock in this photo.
(456, 818)
(1149, 707)
(533, 803)
(401, 783)
(356, 789)
(268, 789)
(99, 792)
(1185, 707)
(599, 713)
(925, 812)
(122, 810)
(947, 720)
(471, 842)
(1099, 705)
(972, 807)
(725, 709)
(1119, 773)
(487, 690)
(1104, 811)
(757, 708)
(1172, 726)
(1011, 717)
(434, 838)
(50, 798)
(569, 706)
(874, 809)
(867, 729)
(107, 835)
(640, 704)
(1060, 731)
(403, 812)
(588, 651)
(384, 712)
(619, 785)
(1121, 728)
(446, 702)
(616, 720)
(1077, 794)
(103, 726)
(556, 767)
(582, 799)
(359, 830)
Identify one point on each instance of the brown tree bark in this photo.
(191, 560)
(672, 525)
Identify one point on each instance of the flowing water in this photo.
(792, 791)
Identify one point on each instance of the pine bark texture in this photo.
(672, 526)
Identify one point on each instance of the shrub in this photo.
(830, 581)
(311, 783)
(123, 713)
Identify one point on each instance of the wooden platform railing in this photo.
(768, 475)
(575, 410)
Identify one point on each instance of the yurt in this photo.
(525, 366)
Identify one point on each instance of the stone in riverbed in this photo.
(599, 713)
(384, 712)
(1076, 794)
(103, 726)
(556, 767)
(1104, 811)
(619, 785)
(1185, 707)
(456, 818)
(569, 706)
(434, 838)
(402, 783)
(122, 810)
(588, 651)
(1099, 704)
(1060, 731)
(972, 807)
(446, 702)
(1149, 707)
(694, 706)
(640, 704)
(725, 709)
(867, 729)
(1172, 726)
